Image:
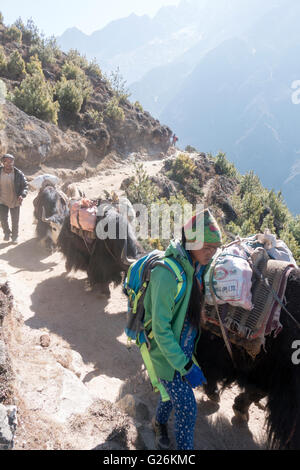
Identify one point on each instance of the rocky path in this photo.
(70, 358)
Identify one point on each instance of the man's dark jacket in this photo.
(21, 185)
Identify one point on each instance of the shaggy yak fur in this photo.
(102, 259)
(53, 206)
(272, 374)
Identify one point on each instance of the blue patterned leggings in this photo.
(182, 398)
(185, 408)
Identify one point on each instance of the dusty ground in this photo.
(66, 389)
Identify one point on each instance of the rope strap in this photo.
(224, 334)
(157, 386)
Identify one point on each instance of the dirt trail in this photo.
(60, 387)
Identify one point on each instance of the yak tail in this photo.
(283, 421)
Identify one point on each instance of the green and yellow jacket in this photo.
(168, 317)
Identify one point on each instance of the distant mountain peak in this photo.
(73, 30)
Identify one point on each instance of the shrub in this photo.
(291, 242)
(35, 97)
(69, 96)
(138, 105)
(250, 182)
(293, 225)
(30, 32)
(47, 50)
(259, 208)
(16, 65)
(94, 116)
(278, 208)
(1, 18)
(181, 169)
(114, 111)
(76, 58)
(141, 190)
(118, 84)
(13, 34)
(34, 66)
(71, 71)
(226, 168)
(190, 149)
(94, 69)
(3, 61)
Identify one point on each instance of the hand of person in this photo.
(195, 377)
(20, 200)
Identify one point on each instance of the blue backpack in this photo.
(135, 287)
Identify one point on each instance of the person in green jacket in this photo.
(176, 329)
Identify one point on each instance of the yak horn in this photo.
(44, 218)
(125, 259)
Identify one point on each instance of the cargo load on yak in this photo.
(38, 181)
(135, 287)
(83, 217)
(244, 290)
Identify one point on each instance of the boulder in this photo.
(134, 407)
(34, 142)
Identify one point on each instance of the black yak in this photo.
(50, 210)
(104, 260)
(274, 373)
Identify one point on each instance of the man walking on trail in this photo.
(174, 139)
(13, 189)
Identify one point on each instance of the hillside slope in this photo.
(78, 115)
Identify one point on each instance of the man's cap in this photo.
(202, 228)
(8, 155)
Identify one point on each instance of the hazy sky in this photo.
(55, 16)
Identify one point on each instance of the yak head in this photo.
(56, 221)
(122, 250)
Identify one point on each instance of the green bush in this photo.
(225, 167)
(181, 169)
(258, 209)
(35, 97)
(34, 66)
(76, 58)
(138, 105)
(291, 242)
(190, 149)
(30, 32)
(250, 182)
(94, 116)
(293, 225)
(70, 96)
(71, 71)
(3, 61)
(13, 34)
(94, 69)
(1, 18)
(47, 50)
(118, 84)
(16, 65)
(114, 111)
(141, 190)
